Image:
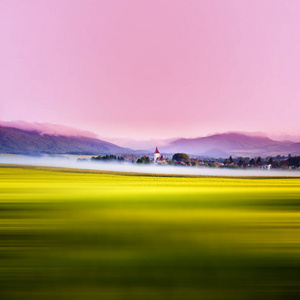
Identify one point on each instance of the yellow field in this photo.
(86, 235)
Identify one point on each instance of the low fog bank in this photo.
(71, 162)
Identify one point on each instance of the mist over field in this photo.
(71, 162)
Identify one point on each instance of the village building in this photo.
(266, 167)
(158, 158)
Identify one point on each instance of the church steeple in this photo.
(156, 155)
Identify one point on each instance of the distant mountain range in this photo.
(20, 141)
(235, 144)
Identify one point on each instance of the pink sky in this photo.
(152, 69)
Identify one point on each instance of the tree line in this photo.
(183, 159)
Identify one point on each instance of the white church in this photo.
(158, 158)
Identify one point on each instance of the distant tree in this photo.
(195, 163)
(213, 165)
(275, 164)
(108, 157)
(104, 158)
(270, 161)
(259, 161)
(181, 157)
(284, 164)
(242, 163)
(96, 158)
(252, 162)
(143, 160)
(294, 161)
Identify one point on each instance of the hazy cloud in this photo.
(47, 128)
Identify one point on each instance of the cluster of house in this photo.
(159, 159)
(278, 162)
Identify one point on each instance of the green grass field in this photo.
(87, 235)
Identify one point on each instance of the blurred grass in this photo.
(85, 235)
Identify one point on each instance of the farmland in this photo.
(67, 234)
